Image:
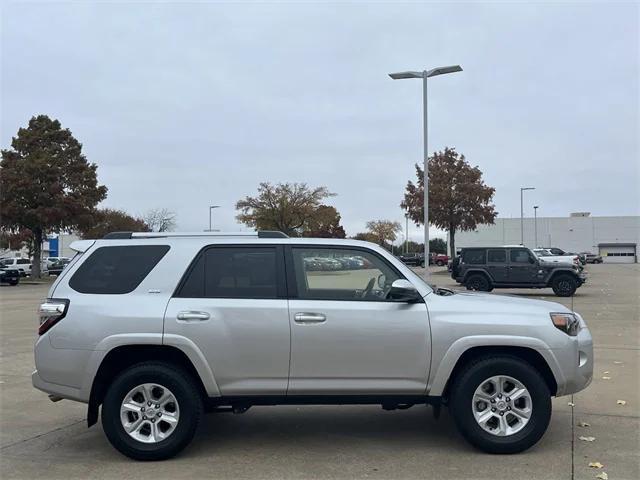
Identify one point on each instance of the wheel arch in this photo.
(529, 351)
(122, 357)
(476, 271)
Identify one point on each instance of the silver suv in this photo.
(159, 328)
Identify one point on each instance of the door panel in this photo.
(360, 348)
(245, 341)
(522, 266)
(347, 338)
(497, 265)
(232, 304)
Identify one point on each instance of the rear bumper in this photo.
(56, 390)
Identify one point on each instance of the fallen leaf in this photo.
(587, 439)
(571, 404)
(595, 465)
(606, 378)
(603, 476)
(584, 424)
(621, 402)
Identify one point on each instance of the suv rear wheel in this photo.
(151, 411)
(564, 285)
(479, 282)
(501, 404)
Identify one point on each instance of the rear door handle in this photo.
(193, 316)
(305, 317)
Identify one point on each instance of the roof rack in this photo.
(129, 235)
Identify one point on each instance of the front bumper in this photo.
(576, 364)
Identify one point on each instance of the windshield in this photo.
(542, 253)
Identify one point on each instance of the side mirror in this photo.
(403, 291)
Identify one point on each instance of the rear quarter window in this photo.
(474, 257)
(116, 270)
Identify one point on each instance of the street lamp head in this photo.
(535, 207)
(427, 73)
(443, 70)
(402, 75)
(527, 188)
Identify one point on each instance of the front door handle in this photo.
(305, 317)
(193, 316)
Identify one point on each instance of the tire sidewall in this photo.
(471, 379)
(483, 286)
(189, 403)
(561, 278)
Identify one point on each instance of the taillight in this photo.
(51, 312)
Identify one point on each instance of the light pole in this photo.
(424, 75)
(406, 233)
(522, 189)
(535, 225)
(211, 207)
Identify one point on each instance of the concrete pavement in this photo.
(40, 439)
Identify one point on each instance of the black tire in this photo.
(478, 282)
(440, 263)
(564, 285)
(187, 394)
(470, 378)
(14, 282)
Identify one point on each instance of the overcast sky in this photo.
(185, 105)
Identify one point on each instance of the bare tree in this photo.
(160, 220)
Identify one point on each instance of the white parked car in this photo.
(23, 265)
(546, 256)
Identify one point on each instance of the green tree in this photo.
(458, 197)
(437, 245)
(108, 220)
(46, 182)
(383, 230)
(286, 207)
(325, 223)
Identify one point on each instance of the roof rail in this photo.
(129, 235)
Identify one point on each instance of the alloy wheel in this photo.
(149, 413)
(502, 405)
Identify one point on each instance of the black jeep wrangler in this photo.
(486, 268)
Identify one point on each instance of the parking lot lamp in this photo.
(535, 225)
(424, 75)
(522, 189)
(211, 207)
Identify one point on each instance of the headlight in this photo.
(567, 322)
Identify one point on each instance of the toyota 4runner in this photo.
(154, 329)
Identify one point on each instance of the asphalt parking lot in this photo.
(40, 439)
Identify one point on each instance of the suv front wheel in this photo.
(564, 285)
(151, 411)
(501, 404)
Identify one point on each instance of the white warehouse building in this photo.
(615, 238)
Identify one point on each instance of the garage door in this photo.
(618, 254)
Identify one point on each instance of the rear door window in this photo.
(235, 272)
(497, 256)
(116, 270)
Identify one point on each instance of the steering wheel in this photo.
(367, 290)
